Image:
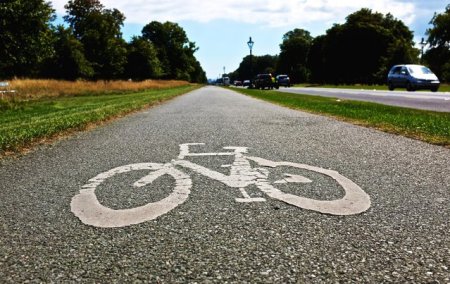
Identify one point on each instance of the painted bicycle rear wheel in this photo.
(90, 211)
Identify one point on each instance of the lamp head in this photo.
(250, 43)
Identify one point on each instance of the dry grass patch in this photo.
(35, 89)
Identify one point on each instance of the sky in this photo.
(221, 29)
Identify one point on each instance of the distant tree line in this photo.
(362, 50)
(90, 46)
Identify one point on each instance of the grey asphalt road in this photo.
(210, 238)
(426, 100)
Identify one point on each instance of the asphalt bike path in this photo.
(217, 187)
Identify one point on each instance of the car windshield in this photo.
(419, 70)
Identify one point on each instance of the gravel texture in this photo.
(403, 238)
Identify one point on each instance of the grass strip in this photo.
(28, 121)
(428, 126)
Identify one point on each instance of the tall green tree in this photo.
(315, 60)
(68, 61)
(363, 48)
(99, 30)
(251, 66)
(438, 55)
(293, 55)
(439, 34)
(245, 69)
(78, 13)
(197, 75)
(142, 60)
(175, 51)
(265, 64)
(25, 36)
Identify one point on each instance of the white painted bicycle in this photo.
(88, 209)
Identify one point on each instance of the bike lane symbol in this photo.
(90, 211)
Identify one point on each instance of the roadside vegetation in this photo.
(428, 126)
(361, 50)
(47, 109)
(90, 45)
(29, 89)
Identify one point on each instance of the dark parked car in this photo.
(263, 81)
(412, 77)
(283, 80)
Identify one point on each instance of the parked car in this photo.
(283, 80)
(246, 83)
(263, 81)
(412, 77)
(237, 83)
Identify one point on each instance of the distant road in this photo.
(439, 101)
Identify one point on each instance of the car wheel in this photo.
(434, 89)
(409, 87)
(391, 86)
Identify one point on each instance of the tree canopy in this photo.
(361, 50)
(91, 45)
(25, 36)
(68, 60)
(99, 30)
(294, 52)
(253, 65)
(364, 48)
(438, 56)
(142, 60)
(175, 51)
(439, 34)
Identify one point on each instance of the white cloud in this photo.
(264, 12)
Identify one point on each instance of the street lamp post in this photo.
(422, 44)
(250, 45)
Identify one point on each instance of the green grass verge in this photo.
(24, 122)
(428, 126)
(442, 88)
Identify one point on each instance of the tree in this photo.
(265, 64)
(142, 60)
(438, 56)
(99, 30)
(25, 36)
(439, 34)
(68, 61)
(315, 61)
(175, 51)
(364, 48)
(197, 74)
(245, 69)
(293, 55)
(259, 64)
(78, 11)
